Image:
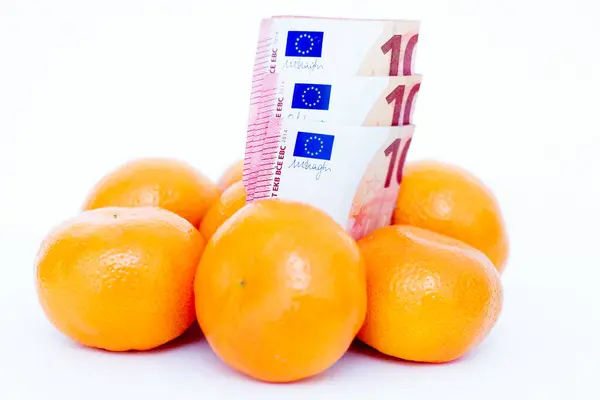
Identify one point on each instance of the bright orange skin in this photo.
(120, 278)
(169, 184)
(231, 175)
(449, 200)
(280, 291)
(431, 298)
(232, 199)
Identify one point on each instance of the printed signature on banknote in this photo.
(303, 65)
(320, 168)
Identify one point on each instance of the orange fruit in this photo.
(451, 201)
(231, 175)
(431, 298)
(232, 199)
(120, 278)
(169, 184)
(280, 291)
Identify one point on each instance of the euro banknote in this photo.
(342, 46)
(353, 173)
(366, 101)
(328, 46)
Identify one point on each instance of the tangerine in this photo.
(431, 298)
(280, 291)
(166, 183)
(450, 200)
(232, 199)
(120, 278)
(231, 175)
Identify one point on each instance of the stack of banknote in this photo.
(330, 119)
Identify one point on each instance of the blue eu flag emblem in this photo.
(304, 44)
(311, 97)
(313, 145)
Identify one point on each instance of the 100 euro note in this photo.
(313, 46)
(352, 173)
(354, 101)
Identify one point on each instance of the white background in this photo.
(510, 92)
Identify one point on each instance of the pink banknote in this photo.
(351, 172)
(322, 46)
